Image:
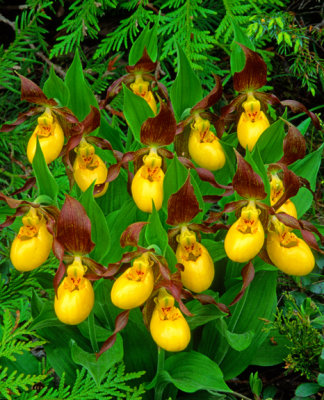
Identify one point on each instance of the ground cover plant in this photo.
(160, 235)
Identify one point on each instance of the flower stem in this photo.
(92, 332)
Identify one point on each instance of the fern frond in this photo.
(14, 338)
(81, 21)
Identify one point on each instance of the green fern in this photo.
(14, 338)
(12, 385)
(81, 21)
(127, 29)
(113, 387)
(29, 39)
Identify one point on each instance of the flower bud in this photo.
(253, 122)
(204, 146)
(147, 184)
(245, 237)
(50, 136)
(168, 326)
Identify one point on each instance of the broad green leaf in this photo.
(100, 234)
(55, 88)
(237, 59)
(259, 301)
(303, 126)
(215, 249)
(46, 183)
(108, 132)
(192, 371)
(46, 317)
(186, 89)
(118, 222)
(155, 234)
(98, 368)
(202, 313)
(258, 166)
(136, 111)
(116, 197)
(270, 143)
(239, 341)
(308, 168)
(320, 379)
(81, 96)
(102, 334)
(272, 351)
(148, 39)
(307, 389)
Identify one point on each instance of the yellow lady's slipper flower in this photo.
(245, 237)
(168, 326)
(89, 167)
(199, 270)
(75, 295)
(147, 185)
(32, 245)
(253, 122)
(135, 285)
(50, 136)
(288, 252)
(204, 146)
(141, 88)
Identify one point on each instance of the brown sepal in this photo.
(211, 98)
(206, 176)
(145, 64)
(254, 74)
(296, 106)
(248, 276)
(131, 234)
(94, 266)
(206, 299)
(267, 98)
(28, 185)
(183, 205)
(288, 220)
(120, 323)
(174, 286)
(165, 153)
(206, 229)
(163, 266)
(291, 184)
(159, 130)
(21, 118)
(91, 121)
(74, 227)
(113, 170)
(66, 114)
(311, 241)
(58, 250)
(246, 182)
(33, 93)
(100, 142)
(308, 226)
(10, 219)
(13, 203)
(294, 146)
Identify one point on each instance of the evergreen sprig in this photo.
(85, 388)
(15, 338)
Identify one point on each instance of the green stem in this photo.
(240, 396)
(158, 389)
(92, 333)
